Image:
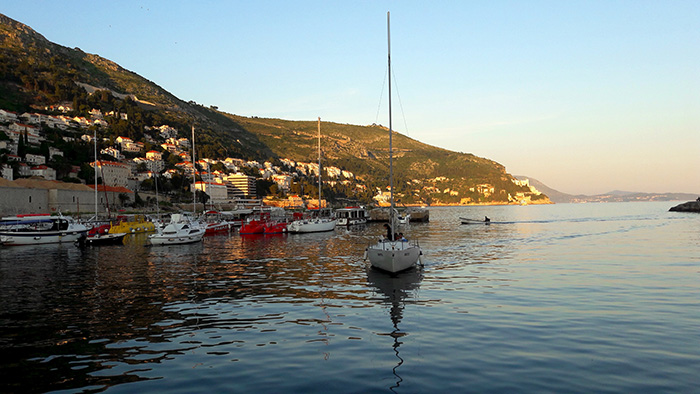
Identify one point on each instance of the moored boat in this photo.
(312, 222)
(265, 220)
(392, 254)
(275, 227)
(349, 216)
(318, 220)
(132, 224)
(36, 229)
(180, 230)
(100, 235)
(217, 223)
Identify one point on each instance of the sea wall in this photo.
(17, 200)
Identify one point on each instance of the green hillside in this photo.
(35, 73)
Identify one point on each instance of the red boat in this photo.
(100, 235)
(275, 227)
(263, 223)
(216, 223)
(253, 227)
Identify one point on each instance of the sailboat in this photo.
(317, 223)
(390, 254)
(182, 229)
(100, 234)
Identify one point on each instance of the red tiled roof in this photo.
(115, 189)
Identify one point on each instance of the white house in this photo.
(31, 118)
(167, 131)
(216, 191)
(154, 155)
(45, 172)
(54, 152)
(113, 173)
(112, 152)
(24, 170)
(8, 116)
(7, 172)
(35, 159)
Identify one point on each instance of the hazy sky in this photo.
(585, 96)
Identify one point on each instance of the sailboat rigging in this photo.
(318, 223)
(181, 229)
(391, 254)
(99, 233)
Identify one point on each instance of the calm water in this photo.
(562, 299)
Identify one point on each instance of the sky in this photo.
(584, 96)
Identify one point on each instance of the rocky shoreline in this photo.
(690, 206)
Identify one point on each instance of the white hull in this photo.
(158, 239)
(39, 229)
(42, 237)
(179, 231)
(393, 256)
(311, 225)
(350, 222)
(473, 221)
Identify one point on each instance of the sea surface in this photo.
(566, 298)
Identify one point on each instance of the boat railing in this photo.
(398, 244)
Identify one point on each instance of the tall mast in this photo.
(95, 141)
(319, 165)
(391, 153)
(194, 178)
(155, 178)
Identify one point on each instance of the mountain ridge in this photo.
(612, 196)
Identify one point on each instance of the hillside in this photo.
(36, 73)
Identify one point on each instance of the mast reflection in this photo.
(396, 291)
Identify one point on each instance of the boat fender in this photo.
(365, 256)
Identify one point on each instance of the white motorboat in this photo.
(405, 218)
(36, 229)
(392, 254)
(180, 230)
(349, 216)
(319, 222)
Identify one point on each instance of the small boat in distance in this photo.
(37, 229)
(486, 220)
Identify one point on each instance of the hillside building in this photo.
(112, 173)
(216, 191)
(239, 186)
